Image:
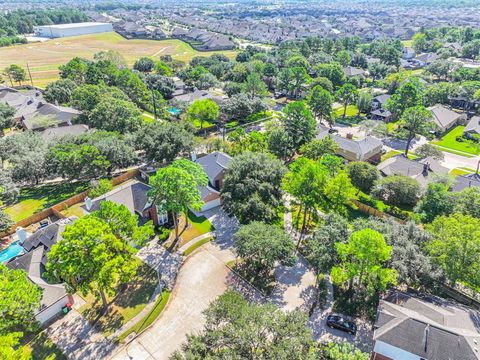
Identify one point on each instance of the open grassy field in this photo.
(45, 58)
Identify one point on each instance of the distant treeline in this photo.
(22, 21)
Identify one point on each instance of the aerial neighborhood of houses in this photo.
(240, 180)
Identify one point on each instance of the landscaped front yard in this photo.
(34, 199)
(352, 110)
(449, 142)
(197, 225)
(125, 305)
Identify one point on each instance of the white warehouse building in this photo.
(64, 30)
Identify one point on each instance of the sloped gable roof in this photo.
(443, 116)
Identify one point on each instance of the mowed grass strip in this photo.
(44, 58)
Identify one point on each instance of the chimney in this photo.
(350, 136)
(21, 234)
(88, 203)
(425, 337)
(426, 168)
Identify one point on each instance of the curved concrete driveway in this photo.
(201, 280)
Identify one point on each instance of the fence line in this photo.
(56, 209)
(367, 209)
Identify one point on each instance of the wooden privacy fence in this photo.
(367, 209)
(56, 209)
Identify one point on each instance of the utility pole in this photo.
(30, 74)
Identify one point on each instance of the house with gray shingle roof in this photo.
(421, 170)
(366, 149)
(215, 165)
(33, 262)
(410, 326)
(472, 129)
(351, 71)
(462, 182)
(445, 118)
(134, 196)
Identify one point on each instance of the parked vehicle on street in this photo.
(341, 323)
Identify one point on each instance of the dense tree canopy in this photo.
(252, 188)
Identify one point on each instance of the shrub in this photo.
(163, 233)
(103, 186)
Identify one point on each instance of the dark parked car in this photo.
(339, 322)
(332, 131)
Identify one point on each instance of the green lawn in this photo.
(449, 142)
(153, 314)
(197, 245)
(125, 305)
(390, 154)
(198, 225)
(461, 171)
(74, 210)
(206, 124)
(34, 199)
(352, 110)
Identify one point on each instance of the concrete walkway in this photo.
(77, 339)
(194, 241)
(295, 285)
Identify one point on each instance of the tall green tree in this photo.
(306, 182)
(7, 119)
(415, 121)
(397, 190)
(339, 191)
(175, 189)
(252, 188)
(261, 246)
(10, 349)
(249, 330)
(19, 300)
(320, 102)
(90, 258)
(254, 86)
(362, 261)
(299, 123)
(60, 91)
(203, 111)
(456, 248)
(407, 95)
(123, 224)
(363, 175)
(16, 73)
(317, 148)
(347, 95)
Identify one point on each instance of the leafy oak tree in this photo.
(339, 191)
(363, 175)
(19, 300)
(317, 148)
(456, 247)
(347, 95)
(261, 246)
(232, 320)
(175, 189)
(415, 121)
(60, 91)
(320, 102)
(90, 258)
(7, 114)
(203, 111)
(397, 190)
(299, 123)
(112, 114)
(252, 187)
(363, 259)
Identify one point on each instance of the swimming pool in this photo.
(10, 252)
(174, 111)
